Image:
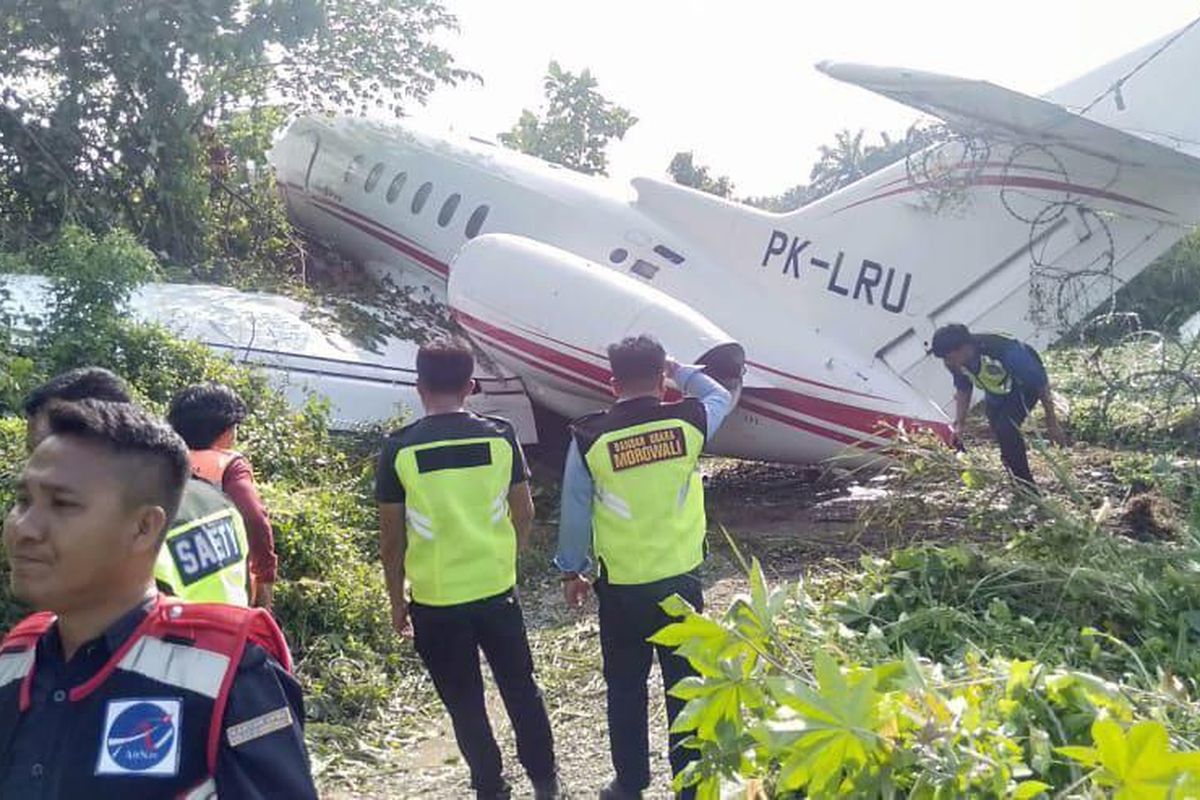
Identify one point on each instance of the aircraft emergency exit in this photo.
(1024, 221)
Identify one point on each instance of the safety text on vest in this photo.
(205, 549)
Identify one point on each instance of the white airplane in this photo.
(1025, 223)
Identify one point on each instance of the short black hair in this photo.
(949, 338)
(637, 360)
(203, 411)
(445, 366)
(163, 465)
(84, 383)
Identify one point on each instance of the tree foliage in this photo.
(576, 127)
(118, 113)
(842, 163)
(684, 170)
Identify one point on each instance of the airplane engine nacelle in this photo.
(549, 315)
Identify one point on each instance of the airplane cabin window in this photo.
(644, 268)
(355, 165)
(668, 254)
(448, 209)
(420, 198)
(373, 177)
(476, 221)
(618, 255)
(395, 187)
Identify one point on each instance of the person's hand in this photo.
(575, 591)
(1055, 432)
(264, 595)
(671, 368)
(956, 440)
(400, 621)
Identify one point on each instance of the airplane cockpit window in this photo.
(618, 255)
(355, 165)
(668, 254)
(448, 209)
(396, 186)
(644, 269)
(476, 221)
(420, 198)
(373, 177)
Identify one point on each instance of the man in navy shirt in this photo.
(1013, 379)
(632, 494)
(110, 690)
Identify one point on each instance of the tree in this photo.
(845, 162)
(683, 170)
(790, 200)
(112, 112)
(839, 165)
(576, 127)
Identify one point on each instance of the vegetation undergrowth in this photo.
(1048, 650)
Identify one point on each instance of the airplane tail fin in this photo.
(1144, 92)
(1037, 210)
(1133, 111)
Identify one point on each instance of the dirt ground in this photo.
(792, 519)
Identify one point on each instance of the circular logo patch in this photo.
(141, 736)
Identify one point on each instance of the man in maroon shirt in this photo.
(206, 415)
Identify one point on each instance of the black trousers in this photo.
(448, 639)
(628, 616)
(1005, 415)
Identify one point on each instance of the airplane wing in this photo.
(279, 336)
(980, 107)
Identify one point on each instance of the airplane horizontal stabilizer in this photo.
(979, 107)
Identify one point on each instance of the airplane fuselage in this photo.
(394, 199)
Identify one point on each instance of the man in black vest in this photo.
(1013, 381)
(110, 690)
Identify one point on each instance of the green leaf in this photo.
(838, 719)
(1027, 790)
(676, 606)
(1138, 764)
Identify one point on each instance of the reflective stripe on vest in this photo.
(192, 650)
(211, 464)
(204, 555)
(648, 518)
(462, 545)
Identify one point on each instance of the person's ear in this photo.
(226, 439)
(614, 386)
(469, 389)
(151, 522)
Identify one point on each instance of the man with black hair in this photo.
(110, 689)
(454, 502)
(633, 493)
(1013, 380)
(207, 416)
(84, 383)
(204, 556)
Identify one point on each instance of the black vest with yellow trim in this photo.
(648, 519)
(148, 724)
(456, 472)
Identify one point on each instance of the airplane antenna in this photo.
(1115, 88)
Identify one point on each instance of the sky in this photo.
(734, 81)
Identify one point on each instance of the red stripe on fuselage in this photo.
(1019, 181)
(393, 239)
